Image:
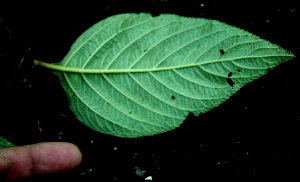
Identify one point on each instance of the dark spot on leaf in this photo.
(145, 50)
(173, 97)
(239, 70)
(230, 82)
(222, 51)
(129, 112)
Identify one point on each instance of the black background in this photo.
(254, 133)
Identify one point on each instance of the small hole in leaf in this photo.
(173, 97)
(222, 51)
(229, 74)
(239, 70)
(230, 82)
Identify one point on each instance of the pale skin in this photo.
(42, 158)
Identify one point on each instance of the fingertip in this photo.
(55, 157)
(41, 158)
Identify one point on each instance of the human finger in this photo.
(41, 158)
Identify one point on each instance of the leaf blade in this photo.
(143, 75)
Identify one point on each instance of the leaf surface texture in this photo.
(134, 75)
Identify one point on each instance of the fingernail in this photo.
(3, 156)
(5, 161)
(4, 166)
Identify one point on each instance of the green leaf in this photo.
(5, 144)
(134, 75)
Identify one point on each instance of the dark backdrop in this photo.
(254, 133)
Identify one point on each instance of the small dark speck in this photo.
(239, 70)
(173, 97)
(222, 51)
(230, 82)
(145, 50)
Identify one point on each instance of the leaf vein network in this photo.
(159, 42)
(83, 101)
(132, 99)
(107, 100)
(110, 38)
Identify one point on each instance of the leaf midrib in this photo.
(107, 71)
